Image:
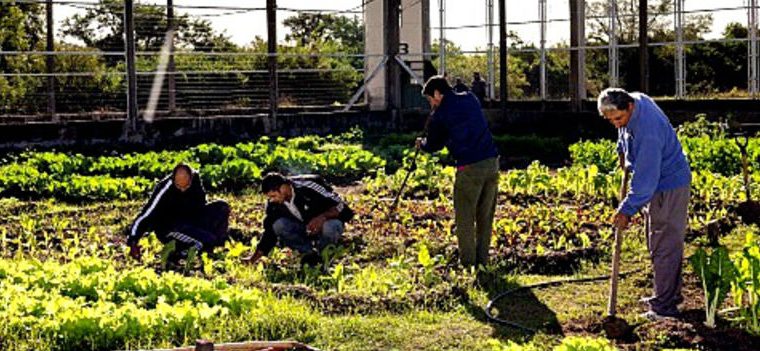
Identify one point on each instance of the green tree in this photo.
(718, 68)
(659, 24)
(461, 65)
(660, 29)
(21, 29)
(310, 28)
(102, 27)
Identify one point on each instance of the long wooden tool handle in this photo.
(612, 302)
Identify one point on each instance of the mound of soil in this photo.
(749, 212)
(713, 230)
(551, 263)
(690, 332)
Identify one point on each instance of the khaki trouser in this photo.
(666, 220)
(475, 192)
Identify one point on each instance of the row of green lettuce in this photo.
(709, 146)
(88, 304)
(223, 168)
(716, 155)
(341, 158)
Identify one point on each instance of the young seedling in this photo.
(169, 248)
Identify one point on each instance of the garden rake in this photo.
(412, 167)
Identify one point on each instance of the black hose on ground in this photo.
(497, 320)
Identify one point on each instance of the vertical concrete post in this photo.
(392, 42)
(415, 33)
(272, 59)
(374, 50)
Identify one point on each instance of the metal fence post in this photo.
(50, 62)
(491, 64)
(680, 61)
(171, 84)
(542, 19)
(643, 46)
(613, 42)
(130, 125)
(752, 50)
(442, 36)
(503, 57)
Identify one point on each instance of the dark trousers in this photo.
(475, 190)
(206, 232)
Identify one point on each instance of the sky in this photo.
(242, 27)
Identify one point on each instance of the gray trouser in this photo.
(666, 218)
(292, 234)
(475, 190)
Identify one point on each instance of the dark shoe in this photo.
(311, 259)
(235, 234)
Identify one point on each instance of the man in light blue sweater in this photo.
(648, 146)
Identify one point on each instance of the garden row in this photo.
(224, 168)
(88, 304)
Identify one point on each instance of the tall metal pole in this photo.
(613, 41)
(491, 65)
(171, 84)
(680, 61)
(752, 48)
(577, 53)
(442, 36)
(272, 59)
(503, 57)
(542, 19)
(643, 46)
(130, 125)
(50, 61)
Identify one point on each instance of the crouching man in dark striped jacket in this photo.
(177, 210)
(302, 214)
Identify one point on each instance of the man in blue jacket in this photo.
(459, 124)
(648, 146)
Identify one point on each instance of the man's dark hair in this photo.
(436, 83)
(272, 182)
(182, 166)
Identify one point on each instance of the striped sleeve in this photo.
(140, 225)
(328, 195)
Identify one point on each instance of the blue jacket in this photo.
(652, 152)
(459, 124)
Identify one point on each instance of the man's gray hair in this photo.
(611, 99)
